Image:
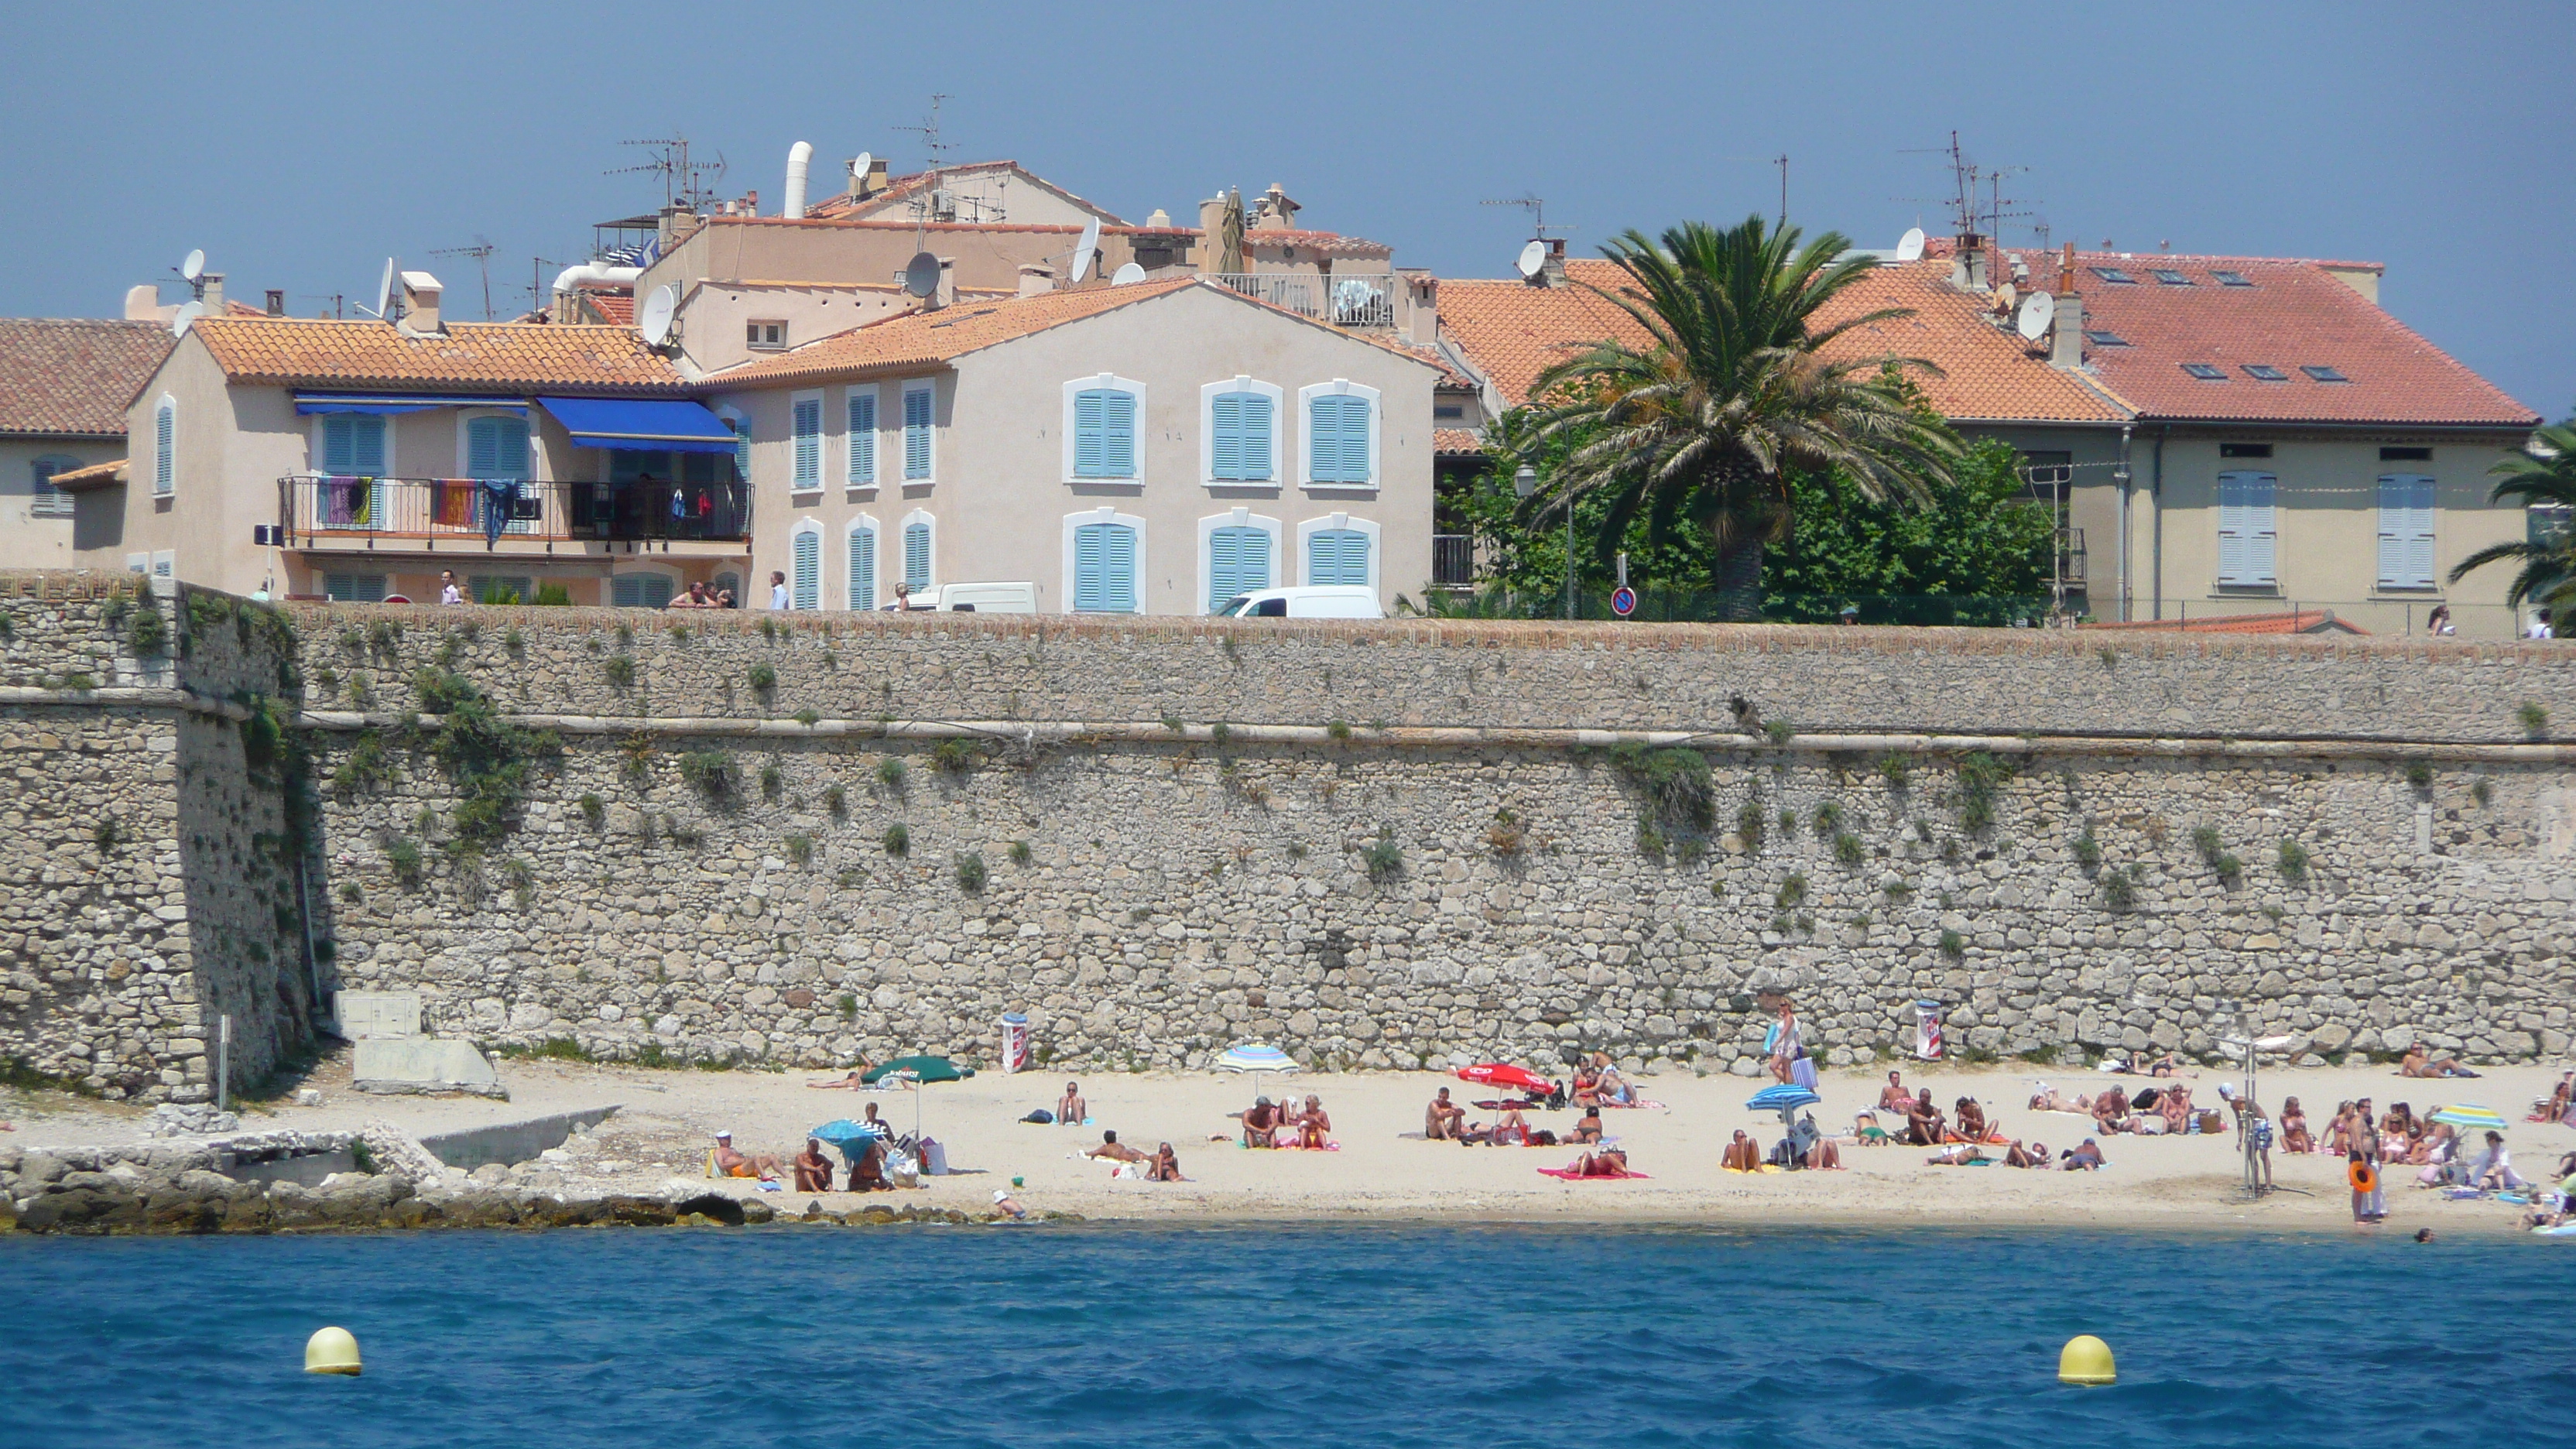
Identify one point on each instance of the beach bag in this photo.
(1041, 1116)
(902, 1171)
(2211, 1122)
(934, 1158)
(1803, 1072)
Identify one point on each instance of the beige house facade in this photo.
(64, 386)
(1146, 449)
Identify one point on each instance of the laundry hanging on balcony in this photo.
(638, 424)
(500, 505)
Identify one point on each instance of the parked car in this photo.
(984, 599)
(1313, 601)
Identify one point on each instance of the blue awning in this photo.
(393, 403)
(673, 427)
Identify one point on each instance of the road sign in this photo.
(1623, 601)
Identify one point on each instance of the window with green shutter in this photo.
(1238, 562)
(496, 448)
(1337, 556)
(1104, 568)
(353, 446)
(165, 436)
(806, 416)
(354, 588)
(639, 591)
(805, 576)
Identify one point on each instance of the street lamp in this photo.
(1525, 483)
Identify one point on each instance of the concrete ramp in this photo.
(508, 1143)
(424, 1064)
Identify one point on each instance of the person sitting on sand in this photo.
(813, 1169)
(1614, 1089)
(1313, 1126)
(2338, 1138)
(867, 1170)
(2559, 1100)
(1586, 1087)
(2111, 1112)
(2087, 1158)
(1166, 1165)
(2175, 1108)
(2295, 1136)
(1826, 1153)
(1971, 1121)
(1113, 1150)
(2494, 1171)
(1893, 1097)
(2419, 1063)
(1510, 1130)
(1587, 1129)
(730, 1163)
(1742, 1155)
(2035, 1155)
(1923, 1126)
(1443, 1119)
(1608, 1162)
(1070, 1109)
(1260, 1120)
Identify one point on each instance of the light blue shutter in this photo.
(1225, 436)
(916, 434)
(626, 591)
(863, 568)
(2393, 528)
(1340, 439)
(806, 584)
(2233, 526)
(863, 438)
(1256, 441)
(1118, 427)
(165, 420)
(741, 428)
(1238, 562)
(1104, 568)
(2262, 529)
(916, 555)
(1087, 579)
(1088, 445)
(2410, 498)
(1337, 556)
(496, 448)
(368, 446)
(808, 415)
(1121, 561)
(339, 446)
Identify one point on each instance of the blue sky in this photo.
(300, 144)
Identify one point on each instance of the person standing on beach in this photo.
(2371, 1205)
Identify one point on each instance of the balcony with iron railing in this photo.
(1345, 299)
(323, 512)
(1453, 561)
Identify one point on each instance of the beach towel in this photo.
(1567, 1174)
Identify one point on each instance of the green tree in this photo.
(2543, 475)
(1707, 424)
(1975, 535)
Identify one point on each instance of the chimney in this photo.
(1160, 218)
(1968, 263)
(1551, 272)
(2362, 277)
(276, 302)
(1035, 280)
(420, 293)
(211, 292)
(1422, 329)
(143, 304)
(864, 184)
(2066, 342)
(1211, 216)
(947, 294)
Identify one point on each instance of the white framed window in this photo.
(2406, 517)
(354, 588)
(859, 560)
(1238, 553)
(1104, 418)
(920, 408)
(920, 550)
(1338, 549)
(493, 445)
(740, 426)
(859, 405)
(764, 336)
(165, 445)
(642, 586)
(805, 566)
(50, 501)
(805, 430)
(1337, 436)
(1104, 562)
(1239, 431)
(138, 563)
(2248, 536)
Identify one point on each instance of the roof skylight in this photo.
(2205, 372)
(2319, 372)
(2115, 276)
(2171, 278)
(2227, 278)
(2106, 339)
(2265, 372)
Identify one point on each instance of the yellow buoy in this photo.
(2085, 1360)
(331, 1351)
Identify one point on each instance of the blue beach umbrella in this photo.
(1256, 1058)
(1784, 1098)
(850, 1139)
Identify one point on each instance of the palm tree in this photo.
(2542, 473)
(1732, 395)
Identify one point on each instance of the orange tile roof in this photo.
(1457, 442)
(2297, 621)
(501, 357)
(615, 305)
(74, 376)
(1513, 331)
(96, 475)
(2294, 315)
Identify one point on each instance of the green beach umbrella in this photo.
(921, 1072)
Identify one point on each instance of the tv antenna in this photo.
(538, 296)
(481, 252)
(928, 130)
(684, 182)
(1977, 205)
(1781, 161)
(1536, 206)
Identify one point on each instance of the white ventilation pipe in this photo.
(799, 156)
(601, 272)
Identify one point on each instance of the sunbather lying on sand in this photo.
(2419, 1063)
(2035, 1155)
(2087, 1158)
(1958, 1156)
(1588, 1128)
(1608, 1162)
(850, 1083)
(2049, 1099)
(1113, 1150)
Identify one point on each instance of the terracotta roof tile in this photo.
(73, 377)
(615, 306)
(2297, 621)
(1457, 442)
(500, 356)
(2295, 315)
(96, 475)
(1514, 331)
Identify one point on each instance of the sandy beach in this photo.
(1383, 1168)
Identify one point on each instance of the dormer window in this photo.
(765, 336)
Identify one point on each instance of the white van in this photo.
(1314, 601)
(985, 599)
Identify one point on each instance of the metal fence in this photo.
(1453, 561)
(1345, 299)
(315, 509)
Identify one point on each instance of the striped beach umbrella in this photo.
(1252, 1057)
(2470, 1117)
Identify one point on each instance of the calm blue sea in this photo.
(1387, 1337)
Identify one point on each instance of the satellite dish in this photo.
(1085, 250)
(188, 312)
(194, 266)
(2007, 296)
(385, 289)
(653, 319)
(1909, 247)
(860, 168)
(2035, 316)
(1127, 275)
(921, 274)
(1533, 259)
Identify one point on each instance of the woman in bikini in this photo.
(2036, 1155)
(2295, 1136)
(1312, 1125)
(1971, 1119)
(1166, 1166)
(1588, 1129)
(1587, 1088)
(1608, 1162)
(1742, 1154)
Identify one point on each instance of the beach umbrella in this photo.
(1785, 1098)
(1258, 1059)
(850, 1139)
(920, 1072)
(2470, 1117)
(1503, 1074)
